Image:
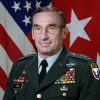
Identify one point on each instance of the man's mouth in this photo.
(45, 44)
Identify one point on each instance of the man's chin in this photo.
(45, 51)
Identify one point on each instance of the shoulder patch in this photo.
(95, 70)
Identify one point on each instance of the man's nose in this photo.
(44, 34)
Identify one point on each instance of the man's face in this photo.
(47, 33)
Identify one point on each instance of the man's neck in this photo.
(45, 56)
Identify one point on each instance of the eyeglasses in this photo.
(50, 29)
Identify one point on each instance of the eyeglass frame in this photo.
(48, 26)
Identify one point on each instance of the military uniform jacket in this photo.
(72, 77)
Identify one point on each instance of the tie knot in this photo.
(44, 63)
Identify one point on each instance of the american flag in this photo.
(15, 33)
(83, 21)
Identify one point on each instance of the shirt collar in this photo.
(50, 59)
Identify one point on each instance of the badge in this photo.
(71, 64)
(17, 85)
(95, 71)
(64, 88)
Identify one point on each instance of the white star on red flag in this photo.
(76, 28)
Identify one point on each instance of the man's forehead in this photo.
(49, 14)
(46, 18)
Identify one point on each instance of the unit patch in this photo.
(95, 71)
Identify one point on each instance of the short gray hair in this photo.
(50, 8)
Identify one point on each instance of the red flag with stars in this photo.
(83, 22)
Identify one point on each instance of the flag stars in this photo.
(76, 28)
(28, 6)
(26, 20)
(38, 4)
(16, 6)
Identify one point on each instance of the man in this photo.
(69, 76)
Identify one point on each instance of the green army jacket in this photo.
(72, 77)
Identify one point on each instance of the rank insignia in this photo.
(68, 77)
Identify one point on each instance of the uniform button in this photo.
(39, 96)
(64, 94)
(15, 91)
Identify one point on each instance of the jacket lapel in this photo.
(32, 71)
(58, 69)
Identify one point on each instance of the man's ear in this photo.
(64, 32)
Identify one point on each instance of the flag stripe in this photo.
(1, 93)
(3, 79)
(9, 45)
(4, 58)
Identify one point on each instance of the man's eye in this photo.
(37, 28)
(52, 27)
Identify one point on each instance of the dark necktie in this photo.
(44, 64)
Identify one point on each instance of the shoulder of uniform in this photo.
(26, 57)
(79, 56)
